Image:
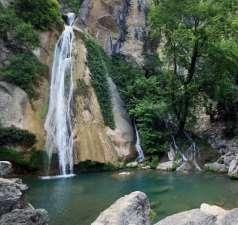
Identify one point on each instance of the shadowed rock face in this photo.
(130, 209)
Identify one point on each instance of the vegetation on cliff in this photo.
(98, 65)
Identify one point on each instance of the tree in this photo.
(42, 14)
(196, 33)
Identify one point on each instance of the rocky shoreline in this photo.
(14, 208)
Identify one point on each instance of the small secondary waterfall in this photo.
(140, 157)
(58, 123)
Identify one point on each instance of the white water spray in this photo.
(58, 123)
(140, 157)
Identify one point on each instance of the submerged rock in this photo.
(132, 165)
(216, 167)
(131, 209)
(166, 166)
(5, 168)
(25, 217)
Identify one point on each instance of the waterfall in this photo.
(140, 157)
(58, 124)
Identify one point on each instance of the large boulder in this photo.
(5, 168)
(216, 167)
(11, 195)
(191, 217)
(132, 209)
(206, 215)
(25, 217)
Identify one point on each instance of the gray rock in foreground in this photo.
(11, 195)
(206, 215)
(132, 209)
(25, 217)
(192, 217)
(5, 168)
(14, 209)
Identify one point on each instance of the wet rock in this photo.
(132, 165)
(11, 195)
(166, 166)
(185, 167)
(233, 168)
(5, 168)
(25, 217)
(216, 167)
(130, 209)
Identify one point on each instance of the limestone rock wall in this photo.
(91, 141)
(119, 25)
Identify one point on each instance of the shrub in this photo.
(33, 160)
(24, 71)
(42, 14)
(99, 67)
(15, 136)
(25, 37)
(16, 32)
(13, 156)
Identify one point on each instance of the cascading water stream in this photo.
(140, 157)
(58, 124)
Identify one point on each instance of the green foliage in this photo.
(145, 103)
(38, 159)
(25, 37)
(15, 157)
(16, 32)
(15, 136)
(99, 66)
(91, 166)
(24, 71)
(201, 54)
(42, 14)
(32, 161)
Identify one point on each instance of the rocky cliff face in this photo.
(91, 141)
(15, 106)
(119, 25)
